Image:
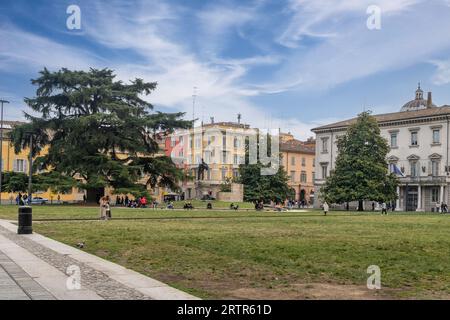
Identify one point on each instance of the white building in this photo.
(419, 139)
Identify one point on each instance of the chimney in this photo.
(429, 100)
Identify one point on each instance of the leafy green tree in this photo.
(99, 130)
(361, 171)
(18, 182)
(263, 187)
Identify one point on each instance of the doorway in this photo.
(411, 199)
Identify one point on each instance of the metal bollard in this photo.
(25, 220)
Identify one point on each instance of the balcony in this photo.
(424, 180)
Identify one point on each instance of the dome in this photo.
(419, 102)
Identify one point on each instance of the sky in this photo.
(288, 64)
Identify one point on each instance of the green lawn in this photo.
(225, 254)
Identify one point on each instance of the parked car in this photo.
(39, 200)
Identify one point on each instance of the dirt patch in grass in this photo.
(316, 291)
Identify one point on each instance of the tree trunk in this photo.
(360, 205)
(347, 206)
(94, 195)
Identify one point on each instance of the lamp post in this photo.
(1, 146)
(30, 170)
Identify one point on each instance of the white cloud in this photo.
(22, 51)
(442, 75)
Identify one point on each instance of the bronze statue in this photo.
(201, 170)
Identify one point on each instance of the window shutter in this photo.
(25, 165)
(15, 165)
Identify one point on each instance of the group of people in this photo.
(105, 208)
(21, 200)
(441, 207)
(125, 201)
(188, 206)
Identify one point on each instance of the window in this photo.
(324, 145)
(303, 176)
(208, 156)
(236, 142)
(293, 161)
(436, 136)
(314, 162)
(224, 141)
(172, 141)
(20, 165)
(435, 168)
(224, 173)
(235, 159)
(235, 173)
(198, 142)
(313, 176)
(324, 171)
(292, 176)
(414, 168)
(434, 194)
(303, 162)
(224, 157)
(414, 138)
(393, 140)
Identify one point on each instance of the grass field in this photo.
(227, 254)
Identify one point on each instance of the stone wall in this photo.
(236, 194)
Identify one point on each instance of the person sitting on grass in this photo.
(170, 205)
(209, 206)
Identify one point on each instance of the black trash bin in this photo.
(25, 220)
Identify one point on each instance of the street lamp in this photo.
(30, 170)
(1, 146)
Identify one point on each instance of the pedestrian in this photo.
(438, 206)
(373, 206)
(325, 208)
(384, 208)
(103, 207)
(59, 198)
(108, 208)
(84, 198)
(127, 201)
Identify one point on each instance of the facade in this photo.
(298, 159)
(221, 145)
(20, 163)
(418, 136)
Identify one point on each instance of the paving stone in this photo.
(91, 278)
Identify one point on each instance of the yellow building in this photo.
(298, 159)
(221, 145)
(20, 163)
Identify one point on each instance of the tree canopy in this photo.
(361, 171)
(263, 187)
(99, 130)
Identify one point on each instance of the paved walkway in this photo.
(36, 267)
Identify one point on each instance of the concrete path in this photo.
(36, 267)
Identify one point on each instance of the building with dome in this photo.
(418, 136)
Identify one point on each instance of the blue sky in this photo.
(292, 64)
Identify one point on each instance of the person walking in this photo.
(384, 208)
(103, 207)
(108, 208)
(325, 208)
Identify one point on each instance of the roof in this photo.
(390, 117)
(227, 124)
(296, 146)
